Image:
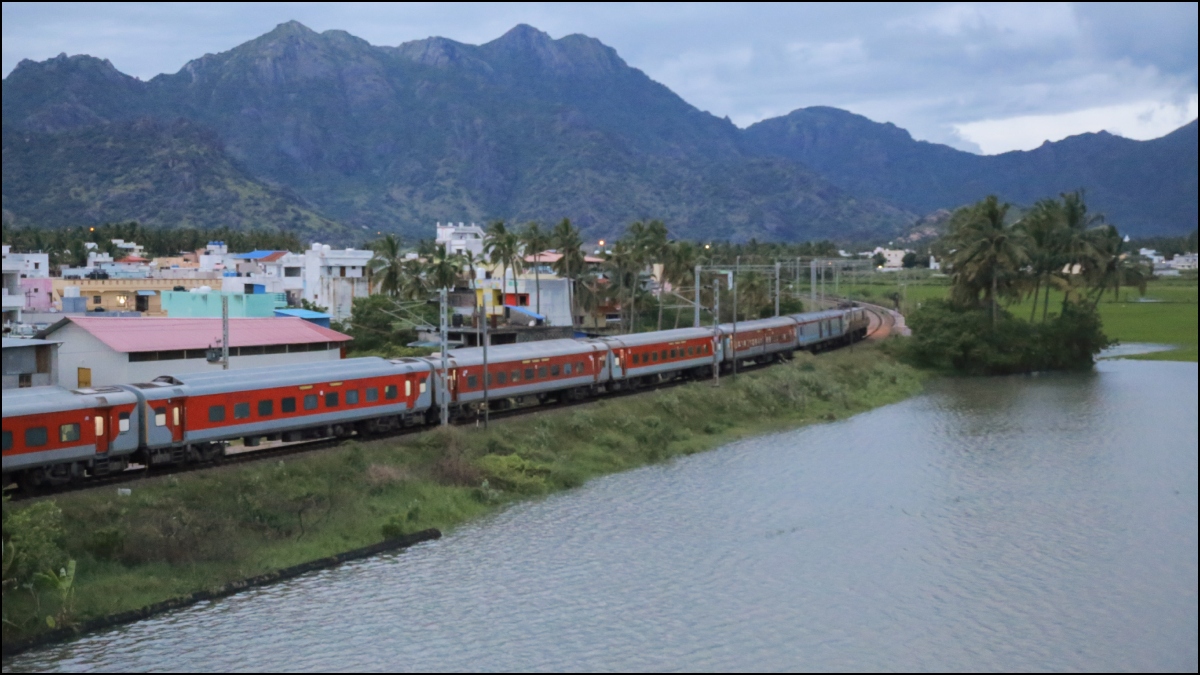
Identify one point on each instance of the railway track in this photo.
(140, 472)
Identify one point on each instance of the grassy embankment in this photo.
(1165, 315)
(177, 535)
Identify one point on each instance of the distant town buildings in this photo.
(333, 278)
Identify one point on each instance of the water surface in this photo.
(1024, 523)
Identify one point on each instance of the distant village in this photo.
(113, 319)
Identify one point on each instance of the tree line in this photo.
(995, 261)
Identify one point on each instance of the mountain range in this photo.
(335, 138)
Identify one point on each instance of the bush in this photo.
(964, 340)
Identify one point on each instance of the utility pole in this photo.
(224, 332)
(796, 288)
(716, 332)
(777, 288)
(445, 418)
(487, 376)
(812, 290)
(733, 340)
(696, 323)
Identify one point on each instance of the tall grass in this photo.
(177, 535)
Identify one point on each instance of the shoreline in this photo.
(199, 534)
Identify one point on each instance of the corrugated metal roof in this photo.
(302, 313)
(157, 334)
(262, 256)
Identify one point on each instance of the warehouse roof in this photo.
(154, 334)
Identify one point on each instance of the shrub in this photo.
(965, 340)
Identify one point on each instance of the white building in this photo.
(98, 351)
(334, 277)
(13, 296)
(461, 238)
(1184, 261)
(893, 257)
(278, 272)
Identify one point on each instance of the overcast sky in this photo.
(985, 78)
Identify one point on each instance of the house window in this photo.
(24, 380)
(96, 300)
(68, 433)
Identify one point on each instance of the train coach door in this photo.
(174, 418)
(101, 422)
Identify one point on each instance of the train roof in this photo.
(517, 352)
(759, 324)
(817, 316)
(655, 337)
(34, 400)
(278, 376)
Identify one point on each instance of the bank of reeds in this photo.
(178, 535)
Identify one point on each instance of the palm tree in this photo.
(621, 264)
(414, 280)
(503, 248)
(681, 260)
(656, 250)
(1041, 228)
(533, 239)
(565, 238)
(1080, 236)
(444, 268)
(988, 256)
(388, 265)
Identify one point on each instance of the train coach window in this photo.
(407, 388)
(287, 404)
(216, 413)
(423, 385)
(654, 356)
(664, 355)
(68, 433)
(542, 372)
(691, 351)
(391, 391)
(352, 397)
(501, 378)
(266, 408)
(122, 422)
(472, 382)
(553, 371)
(516, 376)
(635, 359)
(674, 353)
(331, 399)
(567, 369)
(7, 440)
(372, 394)
(99, 426)
(310, 402)
(35, 437)
(241, 411)
(160, 417)
(529, 373)
(579, 368)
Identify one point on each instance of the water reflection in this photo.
(1012, 523)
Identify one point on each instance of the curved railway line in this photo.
(58, 440)
(280, 450)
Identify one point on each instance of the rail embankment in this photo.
(74, 559)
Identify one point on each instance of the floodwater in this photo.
(1023, 523)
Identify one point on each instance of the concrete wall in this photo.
(39, 293)
(182, 304)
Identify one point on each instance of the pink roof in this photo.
(158, 334)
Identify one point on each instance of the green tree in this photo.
(504, 248)
(535, 242)
(387, 265)
(565, 238)
(986, 255)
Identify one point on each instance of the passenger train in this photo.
(54, 436)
